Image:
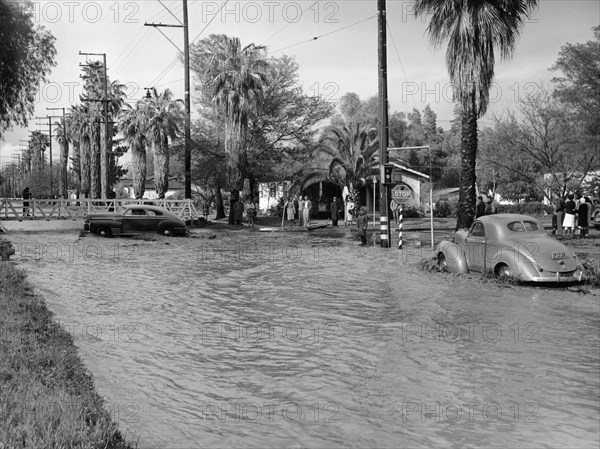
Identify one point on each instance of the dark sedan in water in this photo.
(134, 219)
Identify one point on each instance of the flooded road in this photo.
(308, 340)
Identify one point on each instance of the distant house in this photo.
(176, 188)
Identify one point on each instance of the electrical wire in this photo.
(323, 35)
(398, 56)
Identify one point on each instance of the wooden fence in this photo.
(60, 209)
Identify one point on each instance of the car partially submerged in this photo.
(133, 219)
(510, 245)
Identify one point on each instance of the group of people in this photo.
(241, 208)
(571, 213)
(485, 206)
(298, 209)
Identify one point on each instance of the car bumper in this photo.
(576, 276)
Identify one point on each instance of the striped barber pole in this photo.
(400, 228)
(383, 228)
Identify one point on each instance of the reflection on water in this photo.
(307, 340)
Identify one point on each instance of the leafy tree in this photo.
(580, 85)
(474, 29)
(282, 131)
(545, 149)
(27, 55)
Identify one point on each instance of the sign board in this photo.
(397, 175)
(401, 194)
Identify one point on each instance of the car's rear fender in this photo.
(520, 265)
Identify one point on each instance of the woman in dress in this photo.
(291, 213)
(569, 220)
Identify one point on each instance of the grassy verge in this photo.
(47, 399)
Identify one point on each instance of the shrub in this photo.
(528, 208)
(412, 212)
(444, 209)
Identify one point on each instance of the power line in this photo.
(172, 64)
(323, 35)
(399, 60)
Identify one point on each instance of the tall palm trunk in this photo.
(161, 167)
(468, 154)
(62, 164)
(138, 162)
(95, 184)
(84, 164)
(235, 147)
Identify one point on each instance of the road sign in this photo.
(401, 194)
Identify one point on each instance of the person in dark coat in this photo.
(583, 217)
(559, 207)
(480, 207)
(26, 197)
(335, 211)
(238, 212)
(363, 223)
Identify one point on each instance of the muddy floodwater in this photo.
(296, 340)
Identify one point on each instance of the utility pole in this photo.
(104, 101)
(187, 151)
(50, 152)
(384, 225)
(63, 177)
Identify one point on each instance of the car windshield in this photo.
(518, 226)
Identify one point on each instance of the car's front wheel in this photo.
(503, 271)
(441, 262)
(104, 231)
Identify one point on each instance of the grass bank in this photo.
(47, 398)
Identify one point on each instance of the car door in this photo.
(475, 247)
(134, 220)
(153, 220)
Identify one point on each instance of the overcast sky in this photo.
(342, 59)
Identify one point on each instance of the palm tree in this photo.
(235, 78)
(163, 117)
(133, 127)
(79, 131)
(350, 152)
(474, 29)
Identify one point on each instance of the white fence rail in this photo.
(60, 209)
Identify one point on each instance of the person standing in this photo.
(569, 220)
(306, 210)
(363, 223)
(301, 211)
(480, 207)
(583, 217)
(26, 197)
(291, 213)
(491, 207)
(335, 211)
(238, 212)
(560, 214)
